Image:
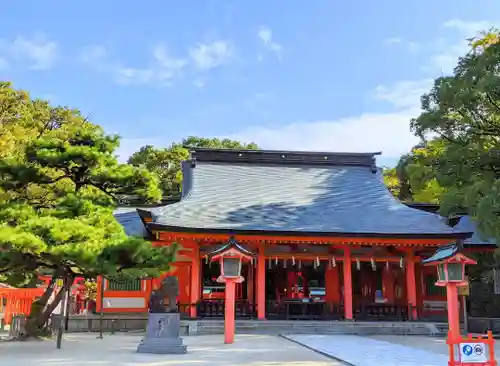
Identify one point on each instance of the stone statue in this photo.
(164, 299)
(162, 332)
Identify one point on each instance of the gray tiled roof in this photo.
(442, 254)
(466, 223)
(130, 220)
(302, 199)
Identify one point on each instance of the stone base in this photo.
(162, 335)
(162, 346)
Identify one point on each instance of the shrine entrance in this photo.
(309, 290)
(211, 304)
(295, 291)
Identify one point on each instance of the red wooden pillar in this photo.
(292, 280)
(411, 285)
(250, 283)
(101, 288)
(261, 283)
(229, 310)
(453, 314)
(347, 265)
(388, 285)
(195, 289)
(419, 279)
(332, 285)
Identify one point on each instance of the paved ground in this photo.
(382, 350)
(433, 344)
(119, 350)
(364, 351)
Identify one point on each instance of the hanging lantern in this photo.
(374, 266)
(387, 265)
(318, 263)
(358, 264)
(206, 259)
(293, 260)
(334, 263)
(276, 260)
(401, 263)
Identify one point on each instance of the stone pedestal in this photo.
(162, 335)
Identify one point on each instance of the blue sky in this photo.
(286, 74)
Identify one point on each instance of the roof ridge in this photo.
(276, 157)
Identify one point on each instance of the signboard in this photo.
(496, 282)
(473, 353)
(464, 290)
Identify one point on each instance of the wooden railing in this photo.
(215, 309)
(299, 310)
(381, 312)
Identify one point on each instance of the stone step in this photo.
(335, 327)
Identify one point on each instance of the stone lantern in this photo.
(230, 256)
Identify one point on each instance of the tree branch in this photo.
(493, 103)
(102, 189)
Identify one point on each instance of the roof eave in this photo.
(168, 228)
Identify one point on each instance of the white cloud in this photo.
(163, 67)
(393, 40)
(169, 64)
(161, 70)
(411, 46)
(404, 94)
(130, 75)
(93, 54)
(39, 51)
(470, 28)
(266, 36)
(447, 54)
(368, 132)
(386, 132)
(209, 55)
(199, 82)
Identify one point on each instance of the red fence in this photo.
(470, 351)
(17, 301)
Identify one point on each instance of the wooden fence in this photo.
(17, 301)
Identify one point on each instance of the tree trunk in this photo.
(42, 308)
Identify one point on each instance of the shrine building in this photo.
(328, 239)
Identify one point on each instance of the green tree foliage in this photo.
(414, 177)
(60, 180)
(398, 181)
(462, 160)
(215, 143)
(463, 110)
(166, 162)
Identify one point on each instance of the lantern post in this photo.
(463, 351)
(450, 264)
(230, 256)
